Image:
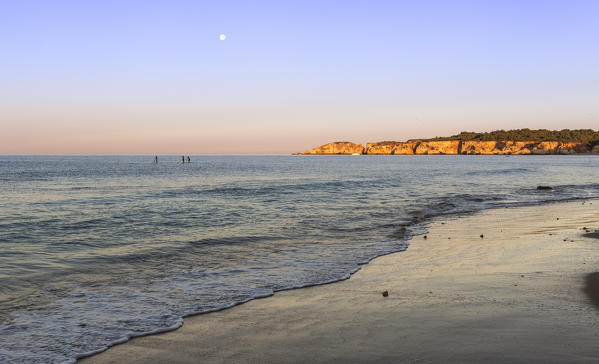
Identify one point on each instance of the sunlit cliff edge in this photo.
(586, 145)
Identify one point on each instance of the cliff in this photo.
(390, 148)
(337, 148)
(457, 147)
(530, 147)
(447, 147)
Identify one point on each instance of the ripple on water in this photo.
(96, 250)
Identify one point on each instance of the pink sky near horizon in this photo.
(255, 134)
(268, 125)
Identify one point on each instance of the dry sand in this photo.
(516, 295)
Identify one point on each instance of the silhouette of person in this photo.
(156, 159)
(188, 159)
(182, 159)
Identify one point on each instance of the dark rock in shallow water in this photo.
(385, 293)
(482, 236)
(544, 188)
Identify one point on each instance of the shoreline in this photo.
(432, 220)
(229, 319)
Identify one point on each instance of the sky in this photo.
(153, 77)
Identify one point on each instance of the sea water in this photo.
(97, 249)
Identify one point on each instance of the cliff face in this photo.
(337, 148)
(455, 147)
(573, 148)
(413, 147)
(509, 147)
(446, 147)
(390, 148)
(517, 148)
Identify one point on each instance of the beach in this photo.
(299, 181)
(524, 291)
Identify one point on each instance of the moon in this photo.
(222, 37)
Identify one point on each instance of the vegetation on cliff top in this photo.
(586, 136)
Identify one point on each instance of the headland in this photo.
(516, 142)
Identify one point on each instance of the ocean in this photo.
(95, 250)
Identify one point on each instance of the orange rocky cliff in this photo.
(337, 148)
(390, 148)
(455, 147)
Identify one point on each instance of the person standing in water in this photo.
(188, 159)
(155, 159)
(182, 159)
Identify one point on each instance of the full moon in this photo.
(222, 37)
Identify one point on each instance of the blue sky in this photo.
(153, 76)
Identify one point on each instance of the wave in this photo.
(138, 261)
(407, 233)
(503, 171)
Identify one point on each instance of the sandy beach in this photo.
(524, 291)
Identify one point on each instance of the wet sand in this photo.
(524, 292)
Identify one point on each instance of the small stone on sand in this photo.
(385, 293)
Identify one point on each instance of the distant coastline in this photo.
(511, 142)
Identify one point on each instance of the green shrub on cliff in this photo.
(586, 136)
